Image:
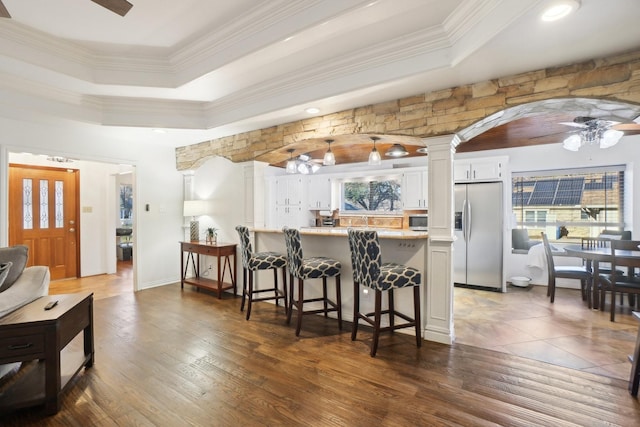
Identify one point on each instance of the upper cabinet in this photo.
(319, 192)
(289, 191)
(414, 190)
(477, 170)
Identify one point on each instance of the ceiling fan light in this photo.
(397, 150)
(572, 143)
(610, 137)
(314, 167)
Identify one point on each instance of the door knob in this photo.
(72, 230)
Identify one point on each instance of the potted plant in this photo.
(212, 235)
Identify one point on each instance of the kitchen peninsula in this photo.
(397, 245)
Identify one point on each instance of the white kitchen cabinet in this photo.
(477, 170)
(289, 191)
(291, 216)
(318, 192)
(414, 189)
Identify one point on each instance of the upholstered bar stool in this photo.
(253, 261)
(310, 268)
(369, 271)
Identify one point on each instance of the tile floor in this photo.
(523, 322)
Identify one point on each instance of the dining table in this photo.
(593, 257)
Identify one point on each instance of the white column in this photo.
(438, 313)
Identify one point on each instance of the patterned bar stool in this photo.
(369, 271)
(310, 268)
(252, 261)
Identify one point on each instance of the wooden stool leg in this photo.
(324, 296)
(300, 304)
(284, 290)
(339, 301)
(392, 313)
(376, 322)
(250, 296)
(416, 310)
(244, 288)
(275, 287)
(290, 299)
(356, 310)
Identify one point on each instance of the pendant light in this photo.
(397, 150)
(291, 163)
(374, 155)
(329, 157)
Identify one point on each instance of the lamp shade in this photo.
(196, 207)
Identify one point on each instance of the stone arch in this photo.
(590, 107)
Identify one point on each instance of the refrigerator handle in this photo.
(468, 221)
(464, 219)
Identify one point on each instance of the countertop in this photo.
(383, 233)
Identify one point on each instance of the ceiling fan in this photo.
(121, 7)
(592, 130)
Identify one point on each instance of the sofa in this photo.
(19, 285)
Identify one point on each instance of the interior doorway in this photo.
(98, 209)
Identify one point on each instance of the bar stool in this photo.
(369, 271)
(310, 268)
(253, 261)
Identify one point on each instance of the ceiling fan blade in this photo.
(4, 13)
(121, 7)
(627, 127)
(573, 124)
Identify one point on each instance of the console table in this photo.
(222, 251)
(33, 333)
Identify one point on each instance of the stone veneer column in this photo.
(438, 315)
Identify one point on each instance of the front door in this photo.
(43, 212)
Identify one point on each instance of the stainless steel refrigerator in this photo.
(478, 224)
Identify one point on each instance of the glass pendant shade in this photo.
(610, 138)
(572, 143)
(291, 163)
(329, 157)
(374, 155)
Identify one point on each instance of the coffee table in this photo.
(33, 333)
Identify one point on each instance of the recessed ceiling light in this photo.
(312, 110)
(559, 9)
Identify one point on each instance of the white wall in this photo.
(156, 182)
(553, 156)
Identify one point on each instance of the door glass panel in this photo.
(44, 203)
(27, 204)
(59, 200)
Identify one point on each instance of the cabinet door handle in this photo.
(19, 346)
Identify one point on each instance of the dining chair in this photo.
(625, 254)
(369, 271)
(254, 261)
(310, 268)
(565, 272)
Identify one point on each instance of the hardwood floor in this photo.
(166, 356)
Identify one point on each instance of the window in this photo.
(381, 196)
(126, 201)
(580, 201)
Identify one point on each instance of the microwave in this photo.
(419, 222)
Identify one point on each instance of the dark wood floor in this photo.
(172, 357)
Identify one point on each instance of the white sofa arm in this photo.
(32, 284)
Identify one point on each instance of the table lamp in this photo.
(194, 209)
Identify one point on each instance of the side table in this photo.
(222, 251)
(33, 333)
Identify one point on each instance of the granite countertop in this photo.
(383, 233)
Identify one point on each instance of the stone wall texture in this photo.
(443, 112)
